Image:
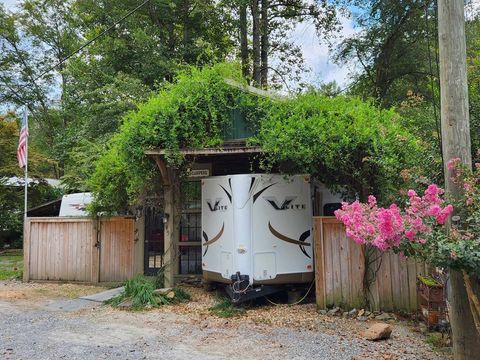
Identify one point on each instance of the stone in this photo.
(334, 311)
(126, 304)
(352, 313)
(361, 312)
(378, 331)
(367, 313)
(163, 291)
(171, 295)
(322, 312)
(345, 314)
(422, 328)
(362, 318)
(384, 317)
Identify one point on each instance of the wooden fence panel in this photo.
(65, 249)
(116, 252)
(58, 249)
(340, 268)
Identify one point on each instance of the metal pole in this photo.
(26, 164)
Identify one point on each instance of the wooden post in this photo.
(456, 144)
(171, 189)
(95, 277)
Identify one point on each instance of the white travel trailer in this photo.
(257, 230)
(75, 204)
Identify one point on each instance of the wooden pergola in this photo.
(230, 156)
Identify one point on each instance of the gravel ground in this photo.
(29, 329)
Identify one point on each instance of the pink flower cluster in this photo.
(387, 227)
(470, 181)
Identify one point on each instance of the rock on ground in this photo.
(378, 331)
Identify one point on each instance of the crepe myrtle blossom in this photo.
(386, 228)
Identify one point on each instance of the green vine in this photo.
(349, 144)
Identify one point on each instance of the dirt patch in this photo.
(16, 290)
(189, 331)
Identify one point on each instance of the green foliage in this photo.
(393, 48)
(12, 197)
(437, 341)
(192, 112)
(140, 290)
(350, 145)
(224, 308)
(427, 280)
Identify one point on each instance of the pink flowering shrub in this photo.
(417, 230)
(386, 228)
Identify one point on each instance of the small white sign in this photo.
(198, 173)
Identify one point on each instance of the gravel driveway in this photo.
(33, 329)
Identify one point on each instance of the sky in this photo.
(316, 54)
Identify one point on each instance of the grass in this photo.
(11, 264)
(224, 308)
(140, 291)
(436, 341)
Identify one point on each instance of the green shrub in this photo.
(224, 308)
(140, 291)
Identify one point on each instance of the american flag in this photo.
(22, 142)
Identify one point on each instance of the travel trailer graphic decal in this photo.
(255, 197)
(300, 242)
(287, 204)
(212, 240)
(216, 206)
(226, 192)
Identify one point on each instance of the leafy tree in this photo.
(393, 50)
(11, 197)
(267, 23)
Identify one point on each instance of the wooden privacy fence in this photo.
(79, 249)
(340, 269)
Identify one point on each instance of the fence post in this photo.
(96, 254)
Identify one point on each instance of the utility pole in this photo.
(456, 144)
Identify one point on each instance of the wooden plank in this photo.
(337, 289)
(33, 250)
(404, 304)
(345, 274)
(327, 243)
(395, 280)
(412, 287)
(387, 292)
(357, 269)
(319, 264)
(26, 249)
(70, 251)
(131, 247)
(44, 247)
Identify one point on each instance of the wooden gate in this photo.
(116, 249)
(78, 249)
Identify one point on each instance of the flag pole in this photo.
(26, 164)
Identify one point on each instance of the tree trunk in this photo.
(456, 144)
(256, 42)
(265, 46)
(244, 40)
